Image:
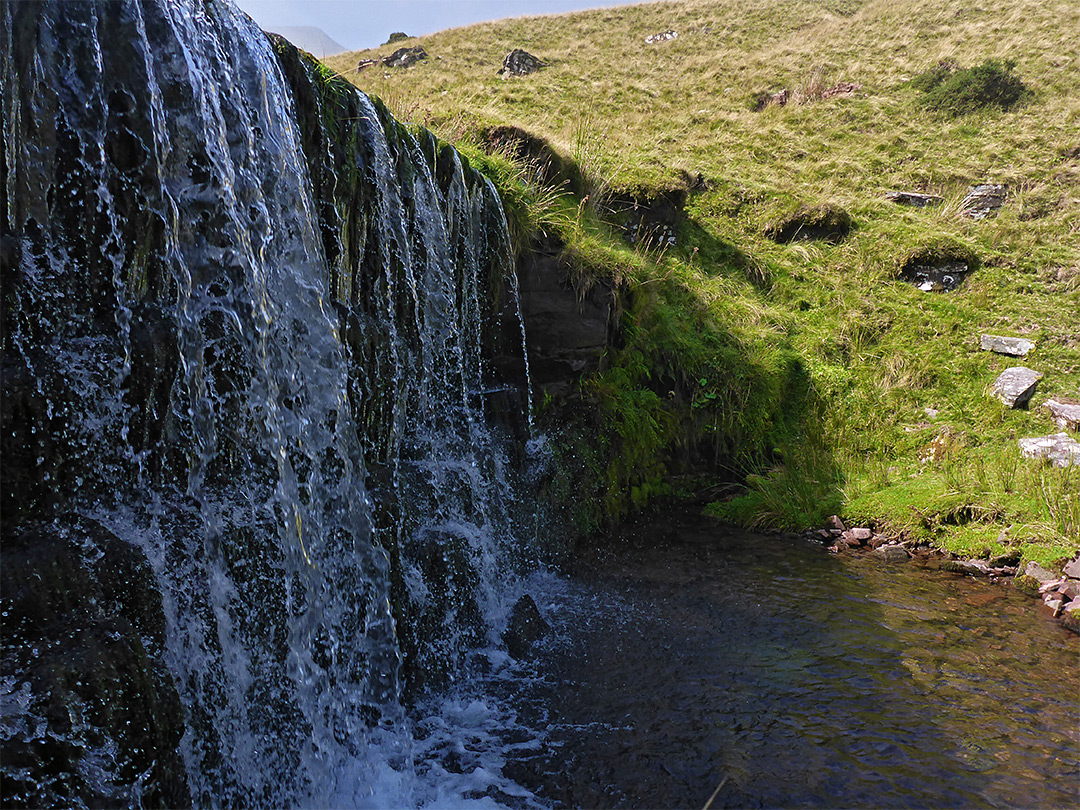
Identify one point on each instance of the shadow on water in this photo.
(692, 656)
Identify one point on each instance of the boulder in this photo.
(520, 63)
(983, 200)
(405, 57)
(525, 629)
(1015, 386)
(1013, 346)
(663, 36)
(1065, 414)
(862, 534)
(913, 198)
(1060, 449)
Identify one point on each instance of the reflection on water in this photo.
(689, 655)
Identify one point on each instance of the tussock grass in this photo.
(807, 365)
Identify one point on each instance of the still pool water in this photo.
(690, 659)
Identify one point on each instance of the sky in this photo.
(359, 24)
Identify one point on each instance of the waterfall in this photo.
(247, 326)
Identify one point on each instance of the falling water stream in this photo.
(248, 339)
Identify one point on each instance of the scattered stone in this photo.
(931, 413)
(365, 63)
(405, 57)
(825, 534)
(1072, 569)
(862, 534)
(1013, 346)
(1055, 602)
(1015, 386)
(892, 553)
(984, 200)
(525, 629)
(1050, 586)
(1065, 414)
(849, 539)
(913, 198)
(663, 36)
(520, 63)
(878, 540)
(1070, 588)
(841, 90)
(835, 523)
(1059, 449)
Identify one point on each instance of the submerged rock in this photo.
(1013, 346)
(892, 553)
(526, 628)
(1015, 386)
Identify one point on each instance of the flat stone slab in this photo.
(1065, 414)
(1013, 346)
(1015, 386)
(913, 198)
(1061, 450)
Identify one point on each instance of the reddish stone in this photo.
(862, 534)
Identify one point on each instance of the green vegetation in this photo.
(806, 368)
(957, 91)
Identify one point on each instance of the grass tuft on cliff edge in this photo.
(806, 364)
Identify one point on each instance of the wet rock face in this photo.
(91, 713)
(568, 331)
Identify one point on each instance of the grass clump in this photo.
(956, 91)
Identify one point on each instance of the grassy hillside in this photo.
(808, 365)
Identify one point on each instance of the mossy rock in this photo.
(825, 222)
(1026, 585)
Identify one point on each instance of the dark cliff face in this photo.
(251, 488)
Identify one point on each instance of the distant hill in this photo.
(312, 39)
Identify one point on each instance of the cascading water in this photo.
(245, 320)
